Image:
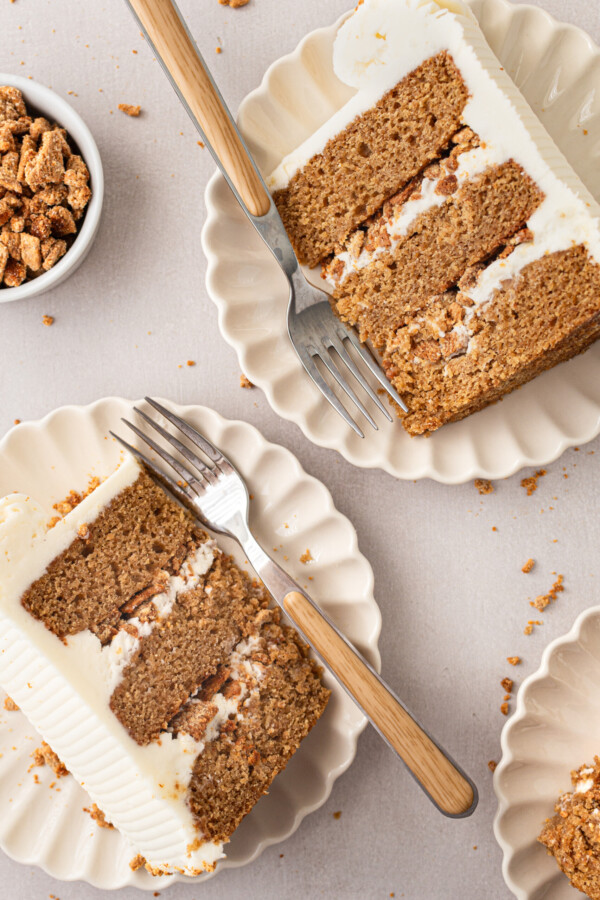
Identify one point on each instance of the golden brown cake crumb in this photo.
(245, 382)
(492, 765)
(504, 708)
(513, 660)
(10, 705)
(48, 320)
(306, 556)
(530, 484)
(528, 566)
(234, 4)
(484, 486)
(507, 684)
(338, 814)
(138, 862)
(45, 756)
(130, 110)
(542, 601)
(98, 816)
(572, 834)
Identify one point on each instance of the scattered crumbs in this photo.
(245, 382)
(492, 765)
(504, 708)
(156, 894)
(484, 486)
(529, 627)
(474, 846)
(130, 110)
(236, 4)
(494, 528)
(528, 566)
(98, 816)
(135, 51)
(17, 422)
(191, 362)
(200, 144)
(506, 697)
(137, 862)
(513, 660)
(507, 684)
(281, 856)
(218, 49)
(306, 556)
(542, 601)
(337, 814)
(45, 756)
(10, 705)
(73, 499)
(530, 484)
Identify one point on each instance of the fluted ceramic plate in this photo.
(557, 67)
(290, 511)
(555, 729)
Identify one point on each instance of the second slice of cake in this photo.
(151, 664)
(453, 233)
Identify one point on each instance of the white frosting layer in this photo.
(64, 688)
(382, 42)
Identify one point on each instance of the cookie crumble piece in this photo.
(245, 382)
(130, 110)
(484, 486)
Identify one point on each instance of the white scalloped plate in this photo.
(555, 729)
(290, 510)
(557, 68)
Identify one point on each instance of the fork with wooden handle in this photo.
(315, 332)
(217, 494)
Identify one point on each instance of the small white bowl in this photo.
(43, 102)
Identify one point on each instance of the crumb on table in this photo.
(528, 566)
(507, 684)
(513, 660)
(338, 814)
(484, 486)
(130, 110)
(530, 484)
(234, 4)
(492, 764)
(48, 320)
(542, 601)
(245, 382)
(504, 708)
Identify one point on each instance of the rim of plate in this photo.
(520, 715)
(429, 466)
(369, 640)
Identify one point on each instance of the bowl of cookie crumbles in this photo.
(51, 189)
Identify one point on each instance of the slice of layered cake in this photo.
(151, 664)
(453, 233)
(572, 836)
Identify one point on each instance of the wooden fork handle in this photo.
(446, 785)
(174, 45)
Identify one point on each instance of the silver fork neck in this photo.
(277, 582)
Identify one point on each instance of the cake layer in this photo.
(236, 769)
(441, 244)
(185, 649)
(455, 358)
(371, 159)
(115, 557)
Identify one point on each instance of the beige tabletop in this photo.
(447, 562)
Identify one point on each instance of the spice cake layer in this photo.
(481, 268)
(164, 652)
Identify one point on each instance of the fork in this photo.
(314, 330)
(217, 494)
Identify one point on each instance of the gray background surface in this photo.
(453, 598)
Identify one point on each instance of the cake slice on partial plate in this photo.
(151, 664)
(453, 233)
